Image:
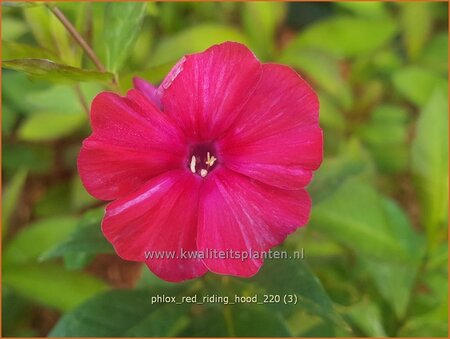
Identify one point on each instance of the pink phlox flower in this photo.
(215, 158)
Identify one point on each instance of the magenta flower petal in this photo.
(240, 215)
(149, 90)
(102, 167)
(131, 142)
(277, 139)
(206, 91)
(158, 218)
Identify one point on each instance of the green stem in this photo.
(82, 99)
(227, 312)
(229, 320)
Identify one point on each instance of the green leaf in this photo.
(323, 69)
(37, 238)
(261, 20)
(87, 238)
(11, 196)
(18, 85)
(429, 307)
(293, 277)
(438, 260)
(122, 22)
(416, 25)
(237, 321)
(50, 126)
(345, 36)
(52, 285)
(379, 232)
(312, 327)
(334, 171)
(435, 54)
(61, 98)
(12, 29)
(51, 34)
(132, 314)
(70, 53)
(369, 9)
(355, 216)
(428, 325)
(125, 313)
(49, 70)
(367, 317)
(144, 44)
(387, 61)
(429, 156)
(14, 50)
(77, 261)
(152, 9)
(395, 281)
(429, 310)
(38, 19)
(192, 40)
(417, 83)
(385, 134)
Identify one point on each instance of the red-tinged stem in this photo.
(77, 37)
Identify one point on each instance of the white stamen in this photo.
(203, 173)
(210, 159)
(193, 164)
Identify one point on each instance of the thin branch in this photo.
(82, 99)
(77, 37)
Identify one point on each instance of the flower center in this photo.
(202, 159)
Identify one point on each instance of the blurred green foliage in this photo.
(376, 245)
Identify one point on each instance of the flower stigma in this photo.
(202, 160)
(192, 166)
